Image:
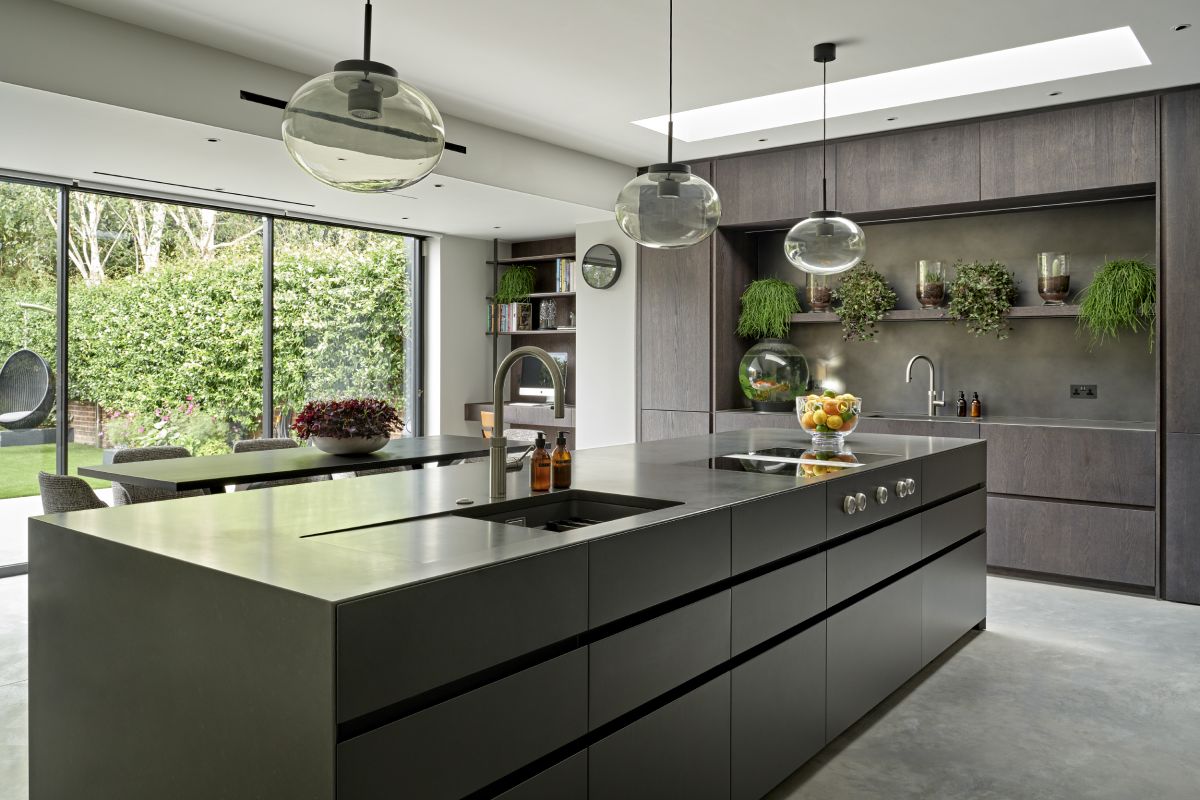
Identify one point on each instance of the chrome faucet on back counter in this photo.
(934, 402)
(498, 450)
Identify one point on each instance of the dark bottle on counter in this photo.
(539, 466)
(976, 406)
(961, 403)
(560, 463)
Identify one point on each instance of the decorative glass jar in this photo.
(819, 292)
(773, 373)
(1054, 278)
(931, 283)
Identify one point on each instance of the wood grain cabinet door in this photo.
(1070, 149)
(934, 167)
(770, 187)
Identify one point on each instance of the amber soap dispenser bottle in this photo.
(560, 463)
(539, 466)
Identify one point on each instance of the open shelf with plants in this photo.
(939, 314)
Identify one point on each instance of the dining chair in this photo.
(259, 445)
(124, 495)
(488, 420)
(66, 493)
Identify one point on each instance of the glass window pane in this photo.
(165, 324)
(343, 317)
(28, 216)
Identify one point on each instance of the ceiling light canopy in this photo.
(668, 207)
(826, 243)
(361, 128)
(1058, 59)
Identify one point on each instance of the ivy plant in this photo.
(861, 298)
(767, 308)
(1122, 295)
(981, 295)
(515, 285)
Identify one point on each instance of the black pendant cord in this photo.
(670, 81)
(367, 33)
(824, 117)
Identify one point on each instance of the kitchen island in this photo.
(674, 626)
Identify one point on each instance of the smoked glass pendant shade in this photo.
(825, 244)
(668, 207)
(362, 129)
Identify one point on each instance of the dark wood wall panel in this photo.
(1071, 149)
(1179, 272)
(932, 167)
(1181, 518)
(674, 313)
(1100, 543)
(672, 424)
(1091, 464)
(775, 186)
(735, 266)
(543, 247)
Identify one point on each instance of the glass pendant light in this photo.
(826, 243)
(668, 207)
(361, 128)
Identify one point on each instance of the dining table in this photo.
(214, 473)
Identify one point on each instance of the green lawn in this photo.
(19, 466)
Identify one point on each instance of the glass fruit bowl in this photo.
(829, 418)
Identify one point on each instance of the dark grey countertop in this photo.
(1048, 422)
(338, 540)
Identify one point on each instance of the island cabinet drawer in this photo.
(461, 745)
(953, 471)
(777, 723)
(838, 521)
(874, 646)
(768, 605)
(678, 751)
(639, 664)
(863, 562)
(954, 592)
(633, 571)
(398, 644)
(566, 780)
(953, 521)
(778, 526)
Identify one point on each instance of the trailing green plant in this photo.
(767, 308)
(981, 295)
(861, 298)
(515, 285)
(1123, 294)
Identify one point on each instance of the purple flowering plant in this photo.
(343, 419)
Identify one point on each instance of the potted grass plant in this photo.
(1122, 296)
(774, 372)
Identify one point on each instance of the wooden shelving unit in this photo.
(536, 332)
(532, 259)
(939, 314)
(536, 295)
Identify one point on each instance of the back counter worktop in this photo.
(350, 639)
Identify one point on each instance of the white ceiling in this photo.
(578, 73)
(73, 139)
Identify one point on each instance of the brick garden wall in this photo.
(84, 420)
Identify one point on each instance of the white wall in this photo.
(457, 354)
(606, 345)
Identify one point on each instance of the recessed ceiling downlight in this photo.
(1044, 62)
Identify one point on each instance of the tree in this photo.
(200, 228)
(90, 245)
(149, 223)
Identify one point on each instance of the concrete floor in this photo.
(1070, 693)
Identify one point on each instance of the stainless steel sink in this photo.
(564, 511)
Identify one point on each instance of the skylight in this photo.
(1044, 62)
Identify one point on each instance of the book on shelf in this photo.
(564, 275)
(509, 317)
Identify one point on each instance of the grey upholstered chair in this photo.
(257, 445)
(362, 473)
(66, 493)
(124, 495)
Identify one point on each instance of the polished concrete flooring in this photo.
(1070, 693)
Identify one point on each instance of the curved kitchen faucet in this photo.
(934, 402)
(498, 450)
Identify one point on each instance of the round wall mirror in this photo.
(601, 266)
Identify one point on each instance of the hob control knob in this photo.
(901, 489)
(849, 505)
(881, 495)
(860, 500)
(912, 485)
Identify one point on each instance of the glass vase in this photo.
(548, 315)
(1054, 278)
(931, 283)
(819, 292)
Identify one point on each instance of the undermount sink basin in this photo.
(885, 415)
(564, 511)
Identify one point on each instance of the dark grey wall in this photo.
(1027, 374)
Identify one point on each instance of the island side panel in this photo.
(152, 678)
